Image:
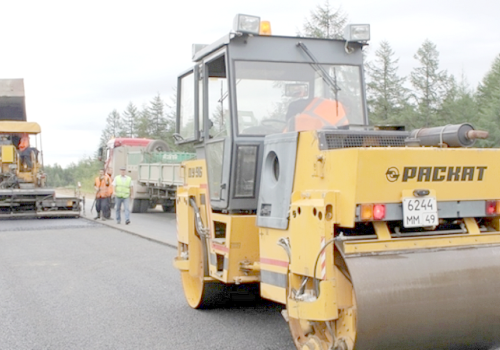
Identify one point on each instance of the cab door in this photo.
(217, 133)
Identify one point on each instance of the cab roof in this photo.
(128, 141)
(12, 127)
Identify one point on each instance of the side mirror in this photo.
(99, 153)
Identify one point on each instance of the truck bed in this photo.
(160, 175)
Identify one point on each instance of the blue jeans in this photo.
(118, 204)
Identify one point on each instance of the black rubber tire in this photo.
(136, 205)
(157, 146)
(168, 208)
(144, 205)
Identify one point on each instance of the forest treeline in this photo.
(428, 96)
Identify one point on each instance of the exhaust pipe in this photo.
(457, 135)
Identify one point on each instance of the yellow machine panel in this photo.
(274, 261)
(8, 153)
(235, 242)
(381, 174)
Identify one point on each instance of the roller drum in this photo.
(434, 299)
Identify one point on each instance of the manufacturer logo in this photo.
(437, 173)
(392, 174)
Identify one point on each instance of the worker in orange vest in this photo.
(102, 186)
(318, 113)
(25, 151)
(109, 173)
(24, 142)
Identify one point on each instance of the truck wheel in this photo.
(144, 205)
(157, 146)
(168, 208)
(136, 205)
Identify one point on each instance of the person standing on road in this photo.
(123, 191)
(111, 196)
(102, 185)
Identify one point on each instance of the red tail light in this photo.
(492, 208)
(378, 211)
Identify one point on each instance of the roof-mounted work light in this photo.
(357, 32)
(246, 24)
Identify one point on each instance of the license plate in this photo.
(420, 212)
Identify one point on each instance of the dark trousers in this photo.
(25, 156)
(102, 204)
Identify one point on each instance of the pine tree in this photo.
(325, 22)
(387, 97)
(488, 102)
(113, 127)
(144, 123)
(431, 85)
(156, 109)
(130, 120)
(170, 117)
(459, 104)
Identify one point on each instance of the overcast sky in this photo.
(82, 59)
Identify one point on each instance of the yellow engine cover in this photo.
(381, 174)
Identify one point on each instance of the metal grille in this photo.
(349, 139)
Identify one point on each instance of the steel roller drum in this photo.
(433, 299)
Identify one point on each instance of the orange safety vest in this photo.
(24, 142)
(319, 113)
(110, 192)
(104, 186)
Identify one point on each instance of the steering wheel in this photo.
(272, 122)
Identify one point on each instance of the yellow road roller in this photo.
(371, 237)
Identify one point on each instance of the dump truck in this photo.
(370, 237)
(155, 171)
(23, 183)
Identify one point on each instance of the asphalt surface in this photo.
(80, 284)
(155, 225)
